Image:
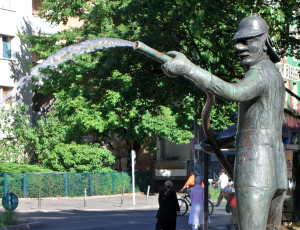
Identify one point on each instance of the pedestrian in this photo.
(231, 199)
(223, 180)
(189, 183)
(168, 206)
(196, 218)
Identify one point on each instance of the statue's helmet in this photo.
(254, 26)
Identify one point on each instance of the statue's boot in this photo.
(275, 211)
(223, 139)
(253, 205)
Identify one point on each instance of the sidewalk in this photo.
(93, 203)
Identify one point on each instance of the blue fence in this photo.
(73, 184)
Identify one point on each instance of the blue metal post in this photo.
(24, 185)
(46, 188)
(112, 180)
(5, 183)
(101, 183)
(66, 183)
(90, 180)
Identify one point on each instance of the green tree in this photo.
(48, 145)
(214, 25)
(117, 91)
(18, 146)
(80, 158)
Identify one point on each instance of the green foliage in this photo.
(214, 25)
(142, 180)
(47, 145)
(120, 92)
(8, 218)
(79, 158)
(15, 184)
(54, 184)
(19, 168)
(25, 143)
(17, 147)
(214, 192)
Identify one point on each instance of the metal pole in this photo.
(90, 180)
(196, 135)
(39, 203)
(5, 183)
(9, 201)
(122, 198)
(66, 184)
(113, 184)
(205, 191)
(133, 180)
(147, 194)
(195, 120)
(24, 185)
(85, 198)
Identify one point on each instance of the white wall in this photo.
(16, 17)
(169, 149)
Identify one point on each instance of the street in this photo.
(114, 219)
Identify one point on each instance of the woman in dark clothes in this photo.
(168, 205)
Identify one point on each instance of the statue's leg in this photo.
(253, 206)
(275, 211)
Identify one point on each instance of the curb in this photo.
(82, 197)
(87, 210)
(36, 224)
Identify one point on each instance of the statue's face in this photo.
(251, 50)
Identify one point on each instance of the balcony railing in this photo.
(289, 72)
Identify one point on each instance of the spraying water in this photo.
(65, 54)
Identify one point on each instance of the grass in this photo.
(10, 218)
(214, 192)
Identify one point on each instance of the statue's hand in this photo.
(178, 66)
(223, 139)
(206, 146)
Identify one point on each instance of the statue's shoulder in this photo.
(265, 68)
(255, 71)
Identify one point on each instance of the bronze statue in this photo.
(260, 174)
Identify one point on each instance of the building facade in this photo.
(18, 17)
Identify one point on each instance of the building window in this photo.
(6, 47)
(35, 57)
(36, 4)
(3, 92)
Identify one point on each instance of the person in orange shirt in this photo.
(189, 183)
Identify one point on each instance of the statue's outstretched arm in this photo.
(248, 88)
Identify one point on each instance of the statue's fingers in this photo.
(174, 54)
(164, 67)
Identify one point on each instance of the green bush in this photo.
(54, 184)
(15, 184)
(34, 183)
(77, 182)
(79, 158)
(8, 218)
(142, 180)
(214, 192)
(21, 168)
(122, 180)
